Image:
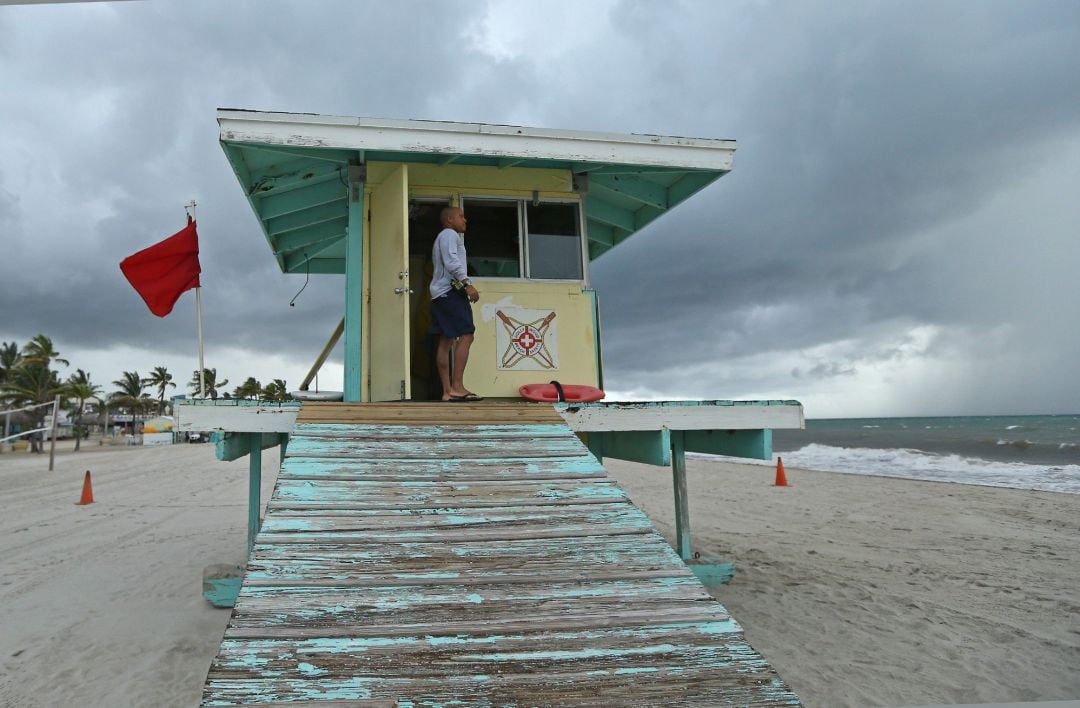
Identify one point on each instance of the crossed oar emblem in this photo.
(526, 340)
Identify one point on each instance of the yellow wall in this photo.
(573, 323)
(576, 348)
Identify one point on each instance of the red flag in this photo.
(166, 270)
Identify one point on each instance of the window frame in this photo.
(523, 233)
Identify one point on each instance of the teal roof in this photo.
(293, 169)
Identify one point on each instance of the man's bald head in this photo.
(453, 218)
(447, 214)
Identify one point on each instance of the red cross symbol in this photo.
(526, 340)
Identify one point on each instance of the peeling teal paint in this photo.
(309, 669)
(362, 541)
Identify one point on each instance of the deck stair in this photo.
(469, 554)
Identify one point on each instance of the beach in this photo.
(101, 605)
(874, 591)
(860, 591)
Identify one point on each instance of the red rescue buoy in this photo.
(571, 393)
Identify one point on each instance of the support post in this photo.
(354, 281)
(52, 436)
(254, 486)
(682, 503)
(710, 572)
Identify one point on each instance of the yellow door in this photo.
(389, 277)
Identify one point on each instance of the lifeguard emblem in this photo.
(527, 344)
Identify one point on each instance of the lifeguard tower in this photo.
(429, 553)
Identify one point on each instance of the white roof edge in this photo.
(310, 130)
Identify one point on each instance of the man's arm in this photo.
(455, 265)
(451, 256)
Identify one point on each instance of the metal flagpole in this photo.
(198, 322)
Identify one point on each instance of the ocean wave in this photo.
(916, 464)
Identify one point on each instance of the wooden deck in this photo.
(469, 554)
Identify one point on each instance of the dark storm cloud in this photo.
(866, 223)
(862, 128)
(132, 131)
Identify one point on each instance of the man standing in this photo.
(451, 312)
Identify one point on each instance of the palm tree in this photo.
(212, 384)
(249, 389)
(81, 389)
(160, 378)
(276, 390)
(30, 380)
(9, 359)
(30, 385)
(130, 396)
(39, 352)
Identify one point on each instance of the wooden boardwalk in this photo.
(490, 561)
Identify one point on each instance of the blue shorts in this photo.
(451, 315)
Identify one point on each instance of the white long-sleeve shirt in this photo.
(448, 253)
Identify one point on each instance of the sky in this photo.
(900, 234)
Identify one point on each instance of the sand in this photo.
(873, 591)
(101, 605)
(861, 591)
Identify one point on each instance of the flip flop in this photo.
(462, 399)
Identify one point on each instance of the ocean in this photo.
(1027, 452)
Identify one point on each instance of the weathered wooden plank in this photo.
(700, 612)
(440, 579)
(680, 681)
(584, 465)
(669, 664)
(612, 517)
(445, 536)
(367, 494)
(404, 604)
(529, 559)
(477, 448)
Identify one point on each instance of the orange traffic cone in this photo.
(781, 478)
(87, 492)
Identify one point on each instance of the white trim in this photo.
(615, 416)
(481, 139)
(235, 419)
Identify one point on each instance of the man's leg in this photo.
(442, 363)
(461, 358)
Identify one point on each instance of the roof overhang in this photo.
(294, 169)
